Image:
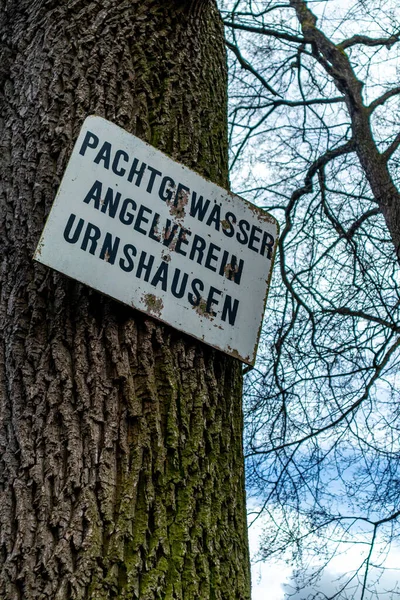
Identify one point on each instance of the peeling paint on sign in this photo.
(154, 305)
(146, 230)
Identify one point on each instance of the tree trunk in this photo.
(121, 471)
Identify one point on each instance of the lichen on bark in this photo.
(121, 469)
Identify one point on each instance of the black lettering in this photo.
(67, 231)
(154, 174)
(268, 242)
(230, 311)
(104, 155)
(91, 141)
(94, 194)
(169, 233)
(153, 228)
(161, 275)
(227, 224)
(135, 171)
(128, 264)
(254, 238)
(92, 234)
(141, 219)
(127, 217)
(110, 203)
(182, 239)
(243, 224)
(115, 165)
(197, 208)
(166, 194)
(197, 287)
(215, 216)
(109, 249)
(145, 266)
(175, 282)
(212, 257)
(198, 246)
(212, 300)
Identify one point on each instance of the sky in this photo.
(270, 582)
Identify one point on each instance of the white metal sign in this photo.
(146, 230)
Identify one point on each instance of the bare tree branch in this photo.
(391, 149)
(342, 310)
(280, 35)
(246, 65)
(382, 99)
(367, 41)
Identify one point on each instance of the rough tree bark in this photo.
(121, 469)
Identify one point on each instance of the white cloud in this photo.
(267, 580)
(273, 581)
(388, 587)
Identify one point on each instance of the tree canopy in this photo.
(315, 136)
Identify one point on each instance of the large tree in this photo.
(121, 470)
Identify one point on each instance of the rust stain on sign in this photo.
(178, 204)
(201, 309)
(154, 305)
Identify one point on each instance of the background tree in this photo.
(315, 128)
(121, 469)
